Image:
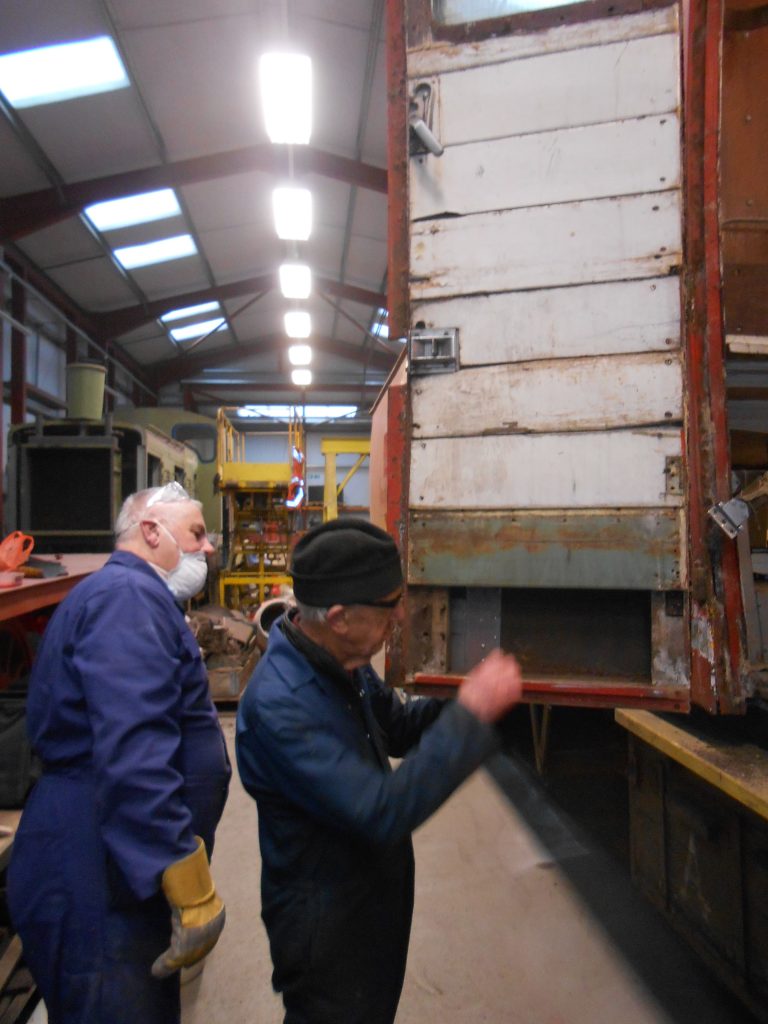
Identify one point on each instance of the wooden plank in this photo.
(611, 159)
(570, 243)
(599, 319)
(611, 469)
(549, 396)
(739, 770)
(630, 78)
(440, 57)
(637, 550)
(749, 344)
(9, 960)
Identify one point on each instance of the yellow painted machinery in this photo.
(262, 508)
(331, 447)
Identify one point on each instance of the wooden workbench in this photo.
(33, 594)
(737, 768)
(698, 809)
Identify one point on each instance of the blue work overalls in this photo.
(335, 824)
(134, 767)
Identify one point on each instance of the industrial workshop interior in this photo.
(491, 276)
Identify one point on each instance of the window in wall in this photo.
(199, 436)
(456, 12)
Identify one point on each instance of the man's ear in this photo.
(337, 618)
(150, 531)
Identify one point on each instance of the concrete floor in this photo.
(517, 921)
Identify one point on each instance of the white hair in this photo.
(135, 505)
(308, 613)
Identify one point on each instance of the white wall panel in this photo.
(626, 79)
(591, 319)
(618, 158)
(557, 395)
(570, 243)
(616, 469)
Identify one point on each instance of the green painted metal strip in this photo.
(626, 550)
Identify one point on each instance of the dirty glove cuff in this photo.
(197, 913)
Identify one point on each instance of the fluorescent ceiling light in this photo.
(187, 311)
(292, 208)
(131, 256)
(121, 213)
(197, 330)
(285, 84)
(298, 324)
(49, 74)
(285, 412)
(301, 378)
(295, 280)
(300, 355)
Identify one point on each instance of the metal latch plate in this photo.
(433, 351)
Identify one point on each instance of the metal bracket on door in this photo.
(420, 138)
(433, 351)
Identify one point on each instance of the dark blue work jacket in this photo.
(335, 824)
(135, 766)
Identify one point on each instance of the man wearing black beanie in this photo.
(316, 728)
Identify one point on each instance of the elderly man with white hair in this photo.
(109, 884)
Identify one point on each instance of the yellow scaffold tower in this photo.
(262, 508)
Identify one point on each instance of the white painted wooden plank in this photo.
(591, 319)
(613, 159)
(748, 344)
(569, 243)
(613, 469)
(442, 56)
(549, 396)
(561, 90)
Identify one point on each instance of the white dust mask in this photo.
(190, 573)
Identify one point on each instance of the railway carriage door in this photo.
(537, 260)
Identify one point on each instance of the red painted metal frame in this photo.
(715, 588)
(126, 319)
(18, 353)
(574, 694)
(21, 215)
(398, 228)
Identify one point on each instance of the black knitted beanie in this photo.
(345, 561)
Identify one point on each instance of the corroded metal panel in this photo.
(622, 550)
(487, 42)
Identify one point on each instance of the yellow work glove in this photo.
(197, 912)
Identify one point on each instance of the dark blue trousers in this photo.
(88, 942)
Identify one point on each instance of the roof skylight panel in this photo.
(138, 209)
(131, 256)
(62, 71)
(188, 311)
(198, 330)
